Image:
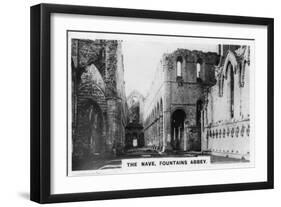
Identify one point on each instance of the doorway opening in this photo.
(177, 128)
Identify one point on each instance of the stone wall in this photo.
(134, 128)
(226, 134)
(172, 94)
(98, 97)
(153, 110)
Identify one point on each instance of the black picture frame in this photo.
(41, 99)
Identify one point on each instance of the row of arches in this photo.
(154, 125)
(156, 111)
(238, 131)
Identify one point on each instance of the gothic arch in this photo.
(230, 58)
(92, 74)
(178, 108)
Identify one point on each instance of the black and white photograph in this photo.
(133, 103)
(140, 103)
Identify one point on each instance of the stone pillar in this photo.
(167, 130)
(204, 122)
(158, 132)
(184, 140)
(161, 130)
(188, 133)
(112, 120)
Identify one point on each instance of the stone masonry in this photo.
(99, 112)
(170, 109)
(226, 108)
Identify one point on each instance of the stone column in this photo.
(161, 130)
(112, 120)
(204, 138)
(184, 140)
(167, 130)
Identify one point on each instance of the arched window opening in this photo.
(198, 69)
(231, 88)
(179, 67)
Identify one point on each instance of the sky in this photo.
(142, 57)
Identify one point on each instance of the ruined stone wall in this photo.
(183, 93)
(98, 96)
(135, 103)
(134, 129)
(223, 134)
(175, 93)
(91, 128)
(153, 110)
(116, 98)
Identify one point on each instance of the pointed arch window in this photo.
(198, 69)
(179, 67)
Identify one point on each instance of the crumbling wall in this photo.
(178, 93)
(97, 87)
